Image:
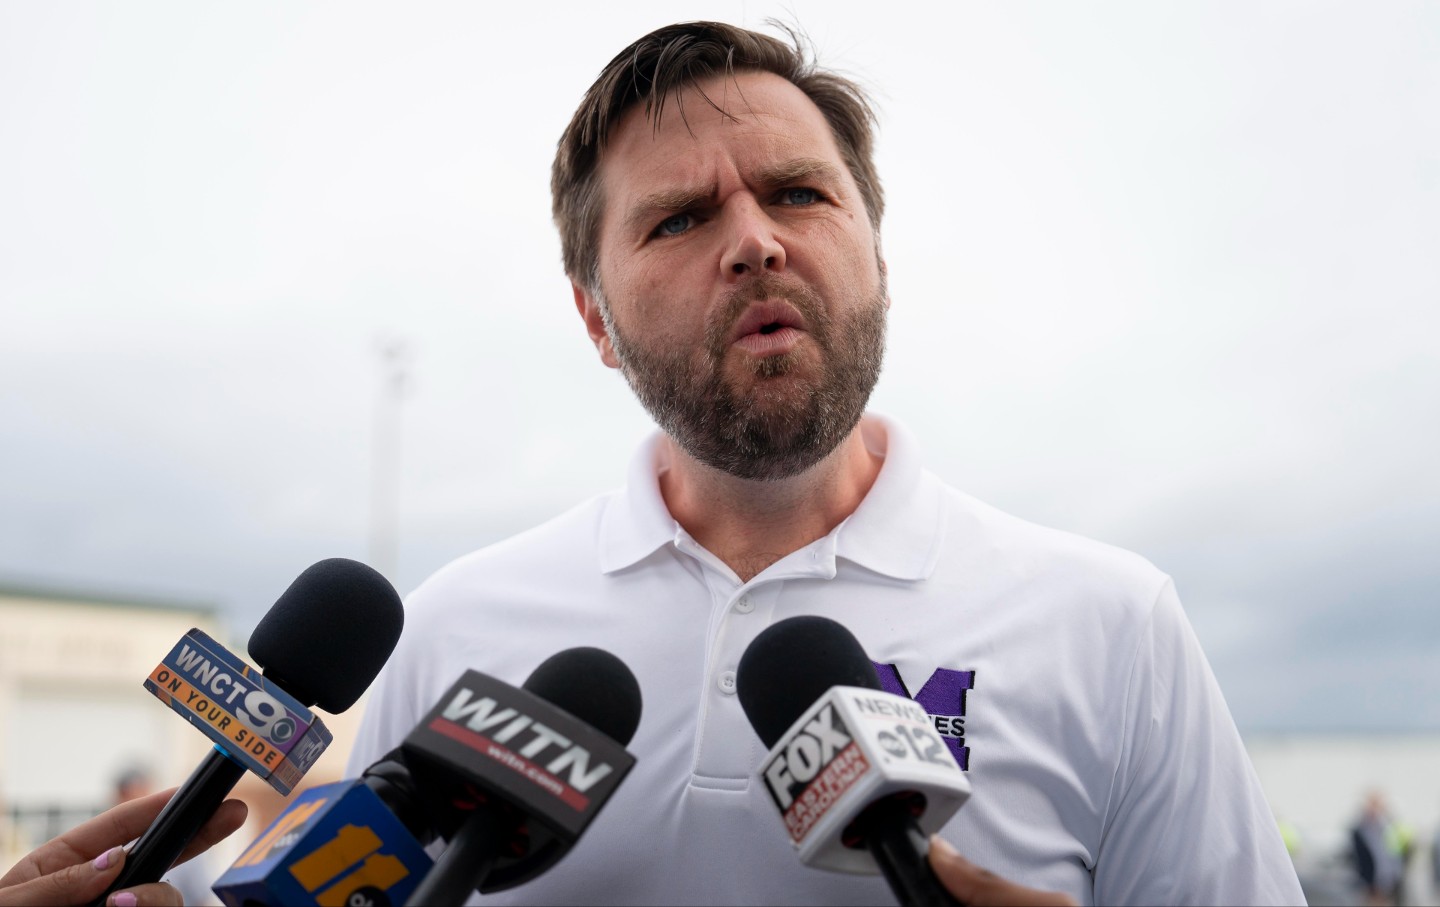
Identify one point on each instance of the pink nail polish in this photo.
(103, 861)
(124, 899)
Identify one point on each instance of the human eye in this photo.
(799, 195)
(675, 225)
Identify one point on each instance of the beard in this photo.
(781, 423)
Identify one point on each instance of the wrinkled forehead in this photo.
(747, 118)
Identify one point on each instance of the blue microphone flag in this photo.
(334, 846)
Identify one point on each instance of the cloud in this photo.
(1161, 277)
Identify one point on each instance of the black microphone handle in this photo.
(192, 806)
(467, 861)
(895, 840)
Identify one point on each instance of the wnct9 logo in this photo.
(263, 714)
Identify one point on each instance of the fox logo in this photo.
(809, 751)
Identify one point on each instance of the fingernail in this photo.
(104, 861)
(943, 846)
(124, 899)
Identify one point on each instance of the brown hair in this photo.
(664, 63)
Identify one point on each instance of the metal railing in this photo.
(33, 825)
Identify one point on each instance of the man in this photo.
(1380, 850)
(719, 213)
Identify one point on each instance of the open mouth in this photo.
(768, 319)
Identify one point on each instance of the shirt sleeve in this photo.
(1188, 822)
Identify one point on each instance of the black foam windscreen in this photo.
(592, 685)
(791, 664)
(328, 635)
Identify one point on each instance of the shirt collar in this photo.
(636, 521)
(896, 530)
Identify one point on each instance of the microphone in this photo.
(342, 843)
(524, 771)
(362, 841)
(860, 777)
(321, 643)
(355, 842)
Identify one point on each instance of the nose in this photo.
(752, 245)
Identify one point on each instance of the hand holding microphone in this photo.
(978, 888)
(322, 642)
(76, 866)
(860, 776)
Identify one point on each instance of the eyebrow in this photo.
(666, 200)
(798, 169)
(643, 211)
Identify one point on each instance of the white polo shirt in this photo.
(1103, 760)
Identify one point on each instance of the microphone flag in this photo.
(503, 743)
(852, 747)
(335, 846)
(250, 719)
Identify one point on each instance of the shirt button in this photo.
(744, 605)
(726, 682)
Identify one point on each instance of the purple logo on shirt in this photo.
(943, 698)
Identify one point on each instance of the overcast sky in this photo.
(1163, 274)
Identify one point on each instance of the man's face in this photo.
(740, 290)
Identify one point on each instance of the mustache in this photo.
(766, 286)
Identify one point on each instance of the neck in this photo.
(751, 524)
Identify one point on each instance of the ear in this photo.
(589, 308)
(885, 272)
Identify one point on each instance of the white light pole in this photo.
(385, 457)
